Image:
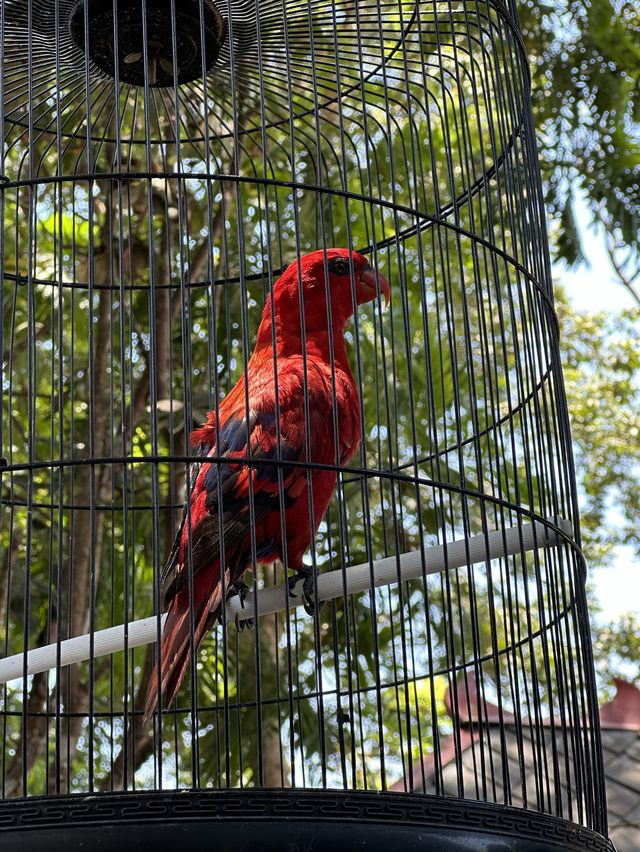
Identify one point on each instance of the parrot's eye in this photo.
(339, 266)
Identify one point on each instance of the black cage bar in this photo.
(162, 163)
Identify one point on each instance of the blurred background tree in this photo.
(585, 69)
(585, 64)
(601, 358)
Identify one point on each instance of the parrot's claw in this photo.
(307, 578)
(243, 624)
(241, 590)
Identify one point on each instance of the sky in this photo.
(595, 289)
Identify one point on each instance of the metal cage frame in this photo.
(162, 164)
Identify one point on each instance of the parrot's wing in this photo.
(173, 561)
(237, 495)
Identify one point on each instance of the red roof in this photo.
(467, 707)
(623, 712)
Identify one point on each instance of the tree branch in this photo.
(33, 734)
(613, 249)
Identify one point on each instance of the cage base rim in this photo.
(244, 820)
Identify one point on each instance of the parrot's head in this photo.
(346, 276)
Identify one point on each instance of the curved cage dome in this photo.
(294, 74)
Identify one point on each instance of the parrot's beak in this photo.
(376, 283)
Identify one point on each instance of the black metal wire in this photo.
(143, 228)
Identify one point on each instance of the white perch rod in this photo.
(455, 554)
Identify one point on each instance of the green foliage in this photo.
(446, 347)
(585, 60)
(601, 359)
(617, 650)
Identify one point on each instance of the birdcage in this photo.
(164, 164)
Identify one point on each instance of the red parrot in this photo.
(245, 429)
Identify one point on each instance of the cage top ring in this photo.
(197, 43)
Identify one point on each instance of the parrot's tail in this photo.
(176, 645)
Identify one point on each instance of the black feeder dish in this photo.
(162, 163)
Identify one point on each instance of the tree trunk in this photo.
(33, 735)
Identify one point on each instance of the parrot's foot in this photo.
(241, 590)
(306, 576)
